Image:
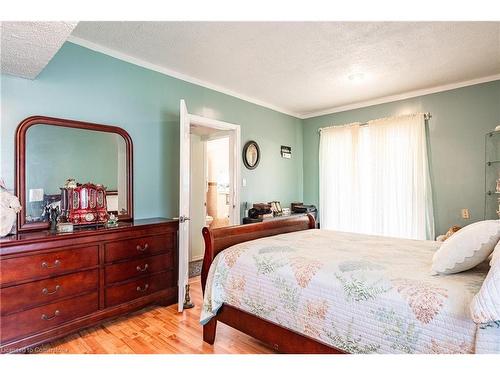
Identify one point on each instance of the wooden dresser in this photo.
(55, 284)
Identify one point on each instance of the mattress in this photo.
(358, 293)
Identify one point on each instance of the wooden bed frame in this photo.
(278, 337)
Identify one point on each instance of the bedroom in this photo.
(350, 153)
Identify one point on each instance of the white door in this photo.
(234, 216)
(184, 191)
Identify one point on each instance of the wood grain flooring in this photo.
(158, 330)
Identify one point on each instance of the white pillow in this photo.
(467, 248)
(485, 306)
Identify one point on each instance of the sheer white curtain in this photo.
(375, 178)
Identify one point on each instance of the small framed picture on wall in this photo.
(286, 152)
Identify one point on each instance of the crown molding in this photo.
(184, 77)
(407, 95)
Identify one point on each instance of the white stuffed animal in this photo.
(9, 207)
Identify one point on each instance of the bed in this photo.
(306, 290)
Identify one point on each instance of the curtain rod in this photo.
(427, 117)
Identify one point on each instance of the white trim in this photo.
(235, 144)
(394, 98)
(184, 201)
(211, 123)
(216, 135)
(235, 165)
(184, 77)
(305, 115)
(205, 182)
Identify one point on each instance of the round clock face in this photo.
(89, 217)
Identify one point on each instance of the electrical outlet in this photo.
(465, 213)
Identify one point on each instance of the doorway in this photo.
(210, 188)
(203, 141)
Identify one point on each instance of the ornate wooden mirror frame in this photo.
(20, 167)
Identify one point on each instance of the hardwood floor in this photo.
(157, 330)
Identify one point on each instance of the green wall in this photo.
(85, 85)
(456, 139)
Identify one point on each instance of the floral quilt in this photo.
(358, 293)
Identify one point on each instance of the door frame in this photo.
(234, 131)
(234, 165)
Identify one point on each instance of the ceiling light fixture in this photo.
(356, 77)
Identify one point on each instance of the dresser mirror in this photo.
(50, 150)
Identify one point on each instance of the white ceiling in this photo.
(27, 47)
(300, 68)
(304, 67)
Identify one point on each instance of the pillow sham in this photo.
(485, 306)
(467, 248)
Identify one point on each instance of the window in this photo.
(374, 178)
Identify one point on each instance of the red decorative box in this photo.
(84, 204)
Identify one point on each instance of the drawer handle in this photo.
(143, 268)
(142, 290)
(142, 249)
(57, 263)
(56, 314)
(47, 293)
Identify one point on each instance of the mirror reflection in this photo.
(55, 154)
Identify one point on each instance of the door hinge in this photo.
(182, 219)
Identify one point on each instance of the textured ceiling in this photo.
(297, 67)
(27, 47)
(304, 67)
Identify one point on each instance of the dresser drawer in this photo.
(138, 288)
(48, 264)
(45, 317)
(24, 296)
(130, 248)
(138, 267)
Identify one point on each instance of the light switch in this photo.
(244, 182)
(465, 213)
